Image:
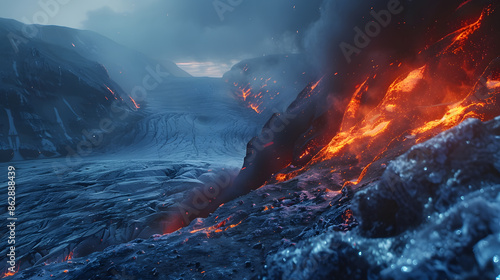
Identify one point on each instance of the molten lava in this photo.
(10, 273)
(424, 100)
(255, 94)
(460, 37)
(112, 92)
(346, 127)
(135, 104)
(220, 227)
(252, 98)
(69, 257)
(493, 85)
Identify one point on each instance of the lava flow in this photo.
(253, 98)
(455, 78)
(10, 273)
(345, 127)
(219, 227)
(69, 257)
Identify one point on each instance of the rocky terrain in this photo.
(384, 168)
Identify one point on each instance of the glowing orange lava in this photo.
(112, 92)
(256, 93)
(255, 108)
(267, 208)
(313, 87)
(135, 104)
(10, 273)
(220, 227)
(68, 257)
(245, 93)
(493, 84)
(459, 37)
(415, 106)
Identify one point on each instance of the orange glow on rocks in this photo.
(492, 85)
(419, 103)
(408, 84)
(10, 273)
(460, 37)
(220, 227)
(135, 104)
(69, 257)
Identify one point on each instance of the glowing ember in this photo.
(245, 93)
(493, 84)
(409, 83)
(348, 216)
(68, 257)
(255, 93)
(112, 92)
(267, 208)
(459, 37)
(135, 104)
(313, 87)
(463, 4)
(253, 101)
(10, 273)
(255, 108)
(220, 227)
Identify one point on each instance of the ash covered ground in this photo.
(442, 197)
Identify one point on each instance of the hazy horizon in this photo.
(204, 39)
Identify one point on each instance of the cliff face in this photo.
(54, 101)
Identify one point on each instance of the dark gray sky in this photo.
(205, 36)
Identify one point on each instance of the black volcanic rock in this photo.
(299, 235)
(434, 214)
(268, 153)
(430, 178)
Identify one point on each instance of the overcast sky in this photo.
(205, 37)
